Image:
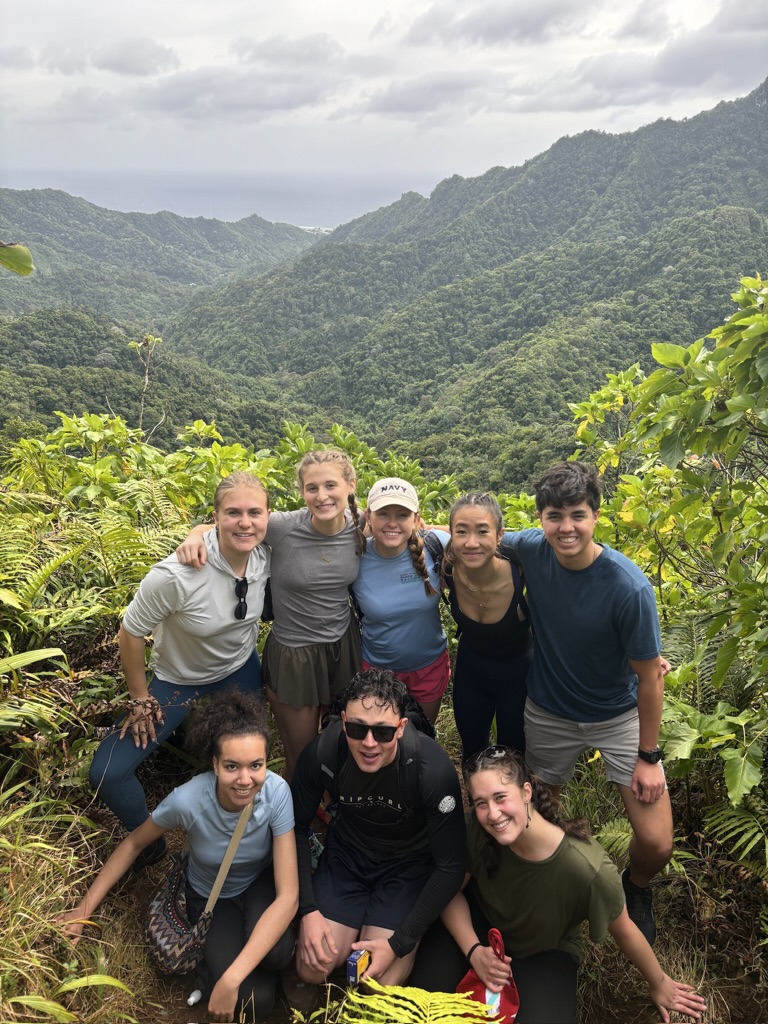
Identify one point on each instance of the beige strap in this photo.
(229, 856)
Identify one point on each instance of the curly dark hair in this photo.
(222, 715)
(380, 685)
(513, 770)
(566, 484)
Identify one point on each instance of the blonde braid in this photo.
(416, 551)
(360, 536)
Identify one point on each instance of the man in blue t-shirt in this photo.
(596, 680)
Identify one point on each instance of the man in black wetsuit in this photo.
(395, 850)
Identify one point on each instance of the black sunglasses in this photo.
(381, 733)
(241, 589)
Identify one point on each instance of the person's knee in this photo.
(659, 850)
(398, 973)
(102, 774)
(308, 974)
(653, 848)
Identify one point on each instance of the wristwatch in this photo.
(651, 756)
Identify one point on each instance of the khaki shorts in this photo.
(553, 745)
(311, 676)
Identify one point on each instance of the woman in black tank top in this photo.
(495, 644)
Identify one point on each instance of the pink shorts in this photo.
(425, 684)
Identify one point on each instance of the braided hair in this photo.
(221, 716)
(416, 551)
(512, 768)
(324, 456)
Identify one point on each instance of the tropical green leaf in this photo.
(672, 449)
(90, 980)
(671, 356)
(742, 771)
(47, 1006)
(17, 661)
(16, 258)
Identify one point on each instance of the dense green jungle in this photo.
(456, 327)
(87, 508)
(603, 300)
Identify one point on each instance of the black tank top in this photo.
(500, 640)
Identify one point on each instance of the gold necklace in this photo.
(482, 591)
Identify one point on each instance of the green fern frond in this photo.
(393, 1004)
(742, 830)
(614, 837)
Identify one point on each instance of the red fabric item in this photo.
(505, 1003)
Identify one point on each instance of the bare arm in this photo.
(648, 782)
(457, 919)
(192, 550)
(113, 870)
(141, 719)
(266, 933)
(666, 993)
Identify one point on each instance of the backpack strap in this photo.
(328, 747)
(518, 581)
(437, 551)
(410, 765)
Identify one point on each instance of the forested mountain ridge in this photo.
(137, 266)
(79, 360)
(594, 183)
(297, 317)
(458, 327)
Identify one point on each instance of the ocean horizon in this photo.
(307, 200)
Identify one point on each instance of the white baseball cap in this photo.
(391, 490)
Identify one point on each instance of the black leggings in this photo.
(546, 982)
(484, 689)
(233, 921)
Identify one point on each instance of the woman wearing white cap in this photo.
(397, 592)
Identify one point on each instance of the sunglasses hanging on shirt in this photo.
(241, 589)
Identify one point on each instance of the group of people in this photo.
(356, 625)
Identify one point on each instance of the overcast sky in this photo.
(361, 98)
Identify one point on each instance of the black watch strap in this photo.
(651, 756)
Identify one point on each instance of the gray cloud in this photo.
(727, 54)
(743, 16)
(308, 50)
(64, 61)
(139, 57)
(84, 105)
(16, 58)
(497, 23)
(223, 94)
(649, 22)
(430, 93)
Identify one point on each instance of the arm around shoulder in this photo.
(192, 550)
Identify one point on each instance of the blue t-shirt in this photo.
(587, 623)
(195, 807)
(401, 626)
